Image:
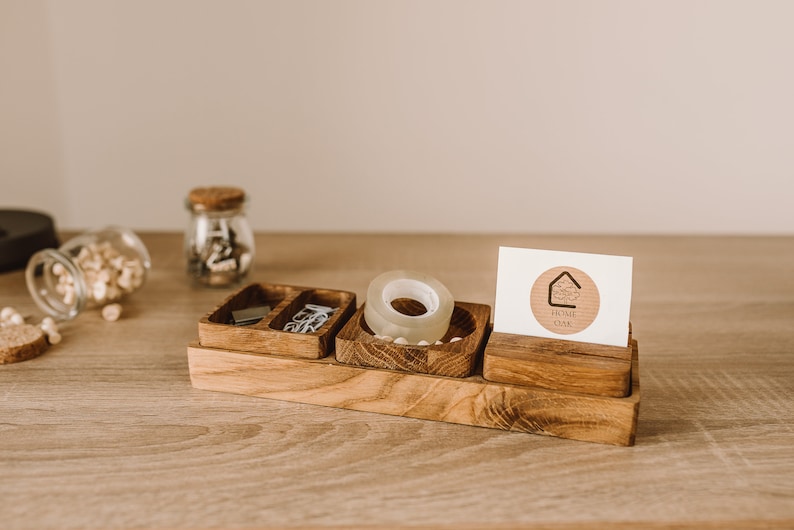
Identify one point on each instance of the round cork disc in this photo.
(20, 343)
(217, 197)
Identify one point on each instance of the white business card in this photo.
(563, 295)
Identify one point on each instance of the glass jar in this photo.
(95, 268)
(219, 242)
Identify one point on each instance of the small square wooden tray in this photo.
(216, 329)
(356, 344)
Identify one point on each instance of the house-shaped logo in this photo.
(564, 290)
(564, 300)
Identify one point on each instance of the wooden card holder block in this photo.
(468, 401)
(567, 366)
(357, 345)
(268, 336)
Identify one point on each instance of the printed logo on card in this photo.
(564, 300)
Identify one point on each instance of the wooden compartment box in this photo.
(216, 329)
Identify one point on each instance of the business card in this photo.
(563, 295)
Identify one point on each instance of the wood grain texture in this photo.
(106, 431)
(558, 365)
(468, 401)
(357, 345)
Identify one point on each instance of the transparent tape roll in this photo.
(383, 319)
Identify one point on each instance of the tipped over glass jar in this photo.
(96, 268)
(219, 242)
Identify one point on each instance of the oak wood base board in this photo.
(468, 401)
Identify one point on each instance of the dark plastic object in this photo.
(22, 234)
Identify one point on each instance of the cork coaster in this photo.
(217, 197)
(20, 343)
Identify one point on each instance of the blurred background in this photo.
(608, 116)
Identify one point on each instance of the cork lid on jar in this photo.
(215, 198)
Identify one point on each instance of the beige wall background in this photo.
(603, 116)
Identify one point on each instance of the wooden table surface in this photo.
(105, 431)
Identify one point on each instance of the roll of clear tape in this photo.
(383, 319)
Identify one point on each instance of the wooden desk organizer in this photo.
(264, 361)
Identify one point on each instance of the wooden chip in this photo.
(20, 343)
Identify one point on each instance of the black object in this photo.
(22, 234)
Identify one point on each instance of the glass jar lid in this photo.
(216, 198)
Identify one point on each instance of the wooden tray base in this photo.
(468, 401)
